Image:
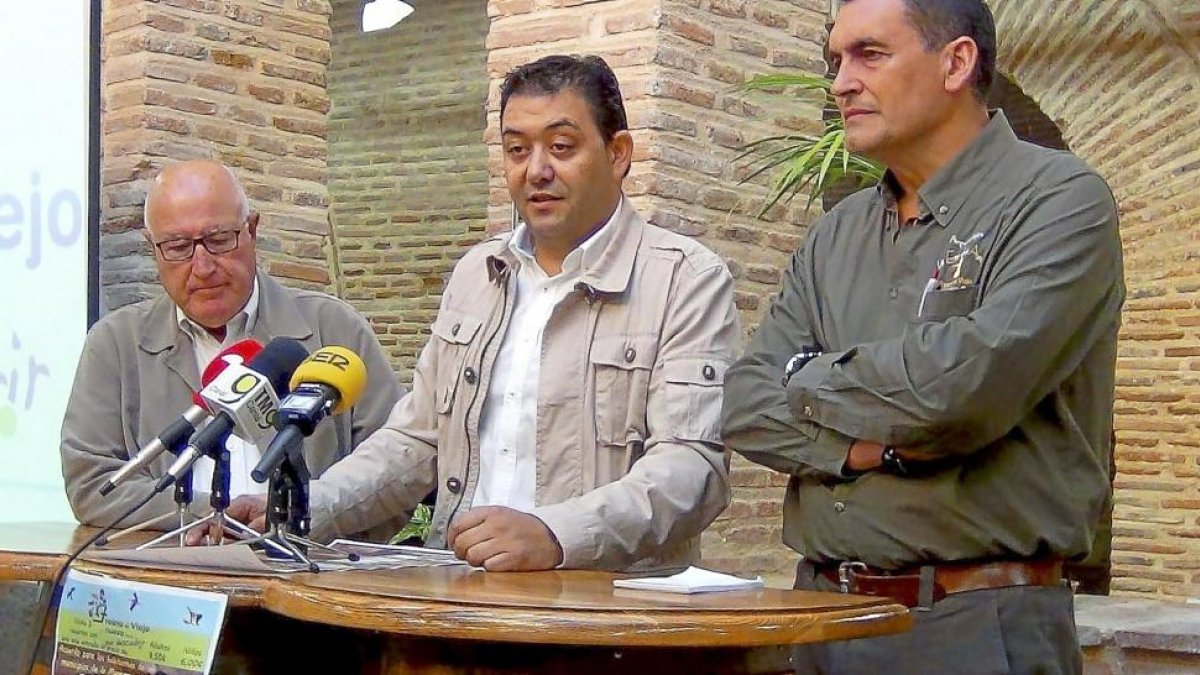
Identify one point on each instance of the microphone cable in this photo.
(42, 613)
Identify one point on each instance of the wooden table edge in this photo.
(581, 627)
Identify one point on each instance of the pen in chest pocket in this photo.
(935, 280)
(956, 255)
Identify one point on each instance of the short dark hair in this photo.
(589, 76)
(938, 22)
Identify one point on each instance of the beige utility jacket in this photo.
(630, 468)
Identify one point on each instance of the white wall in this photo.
(44, 132)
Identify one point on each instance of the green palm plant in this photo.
(802, 161)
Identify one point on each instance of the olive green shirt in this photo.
(982, 336)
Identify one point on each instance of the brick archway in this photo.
(1119, 78)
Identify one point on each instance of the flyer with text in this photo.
(114, 627)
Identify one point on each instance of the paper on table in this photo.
(233, 559)
(691, 580)
(367, 548)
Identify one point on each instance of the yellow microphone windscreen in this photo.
(337, 367)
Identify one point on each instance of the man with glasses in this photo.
(141, 363)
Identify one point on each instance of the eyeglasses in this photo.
(179, 250)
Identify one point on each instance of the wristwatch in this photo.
(807, 353)
(891, 462)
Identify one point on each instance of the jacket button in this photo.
(630, 354)
(469, 375)
(837, 506)
(710, 373)
(808, 411)
(454, 330)
(454, 485)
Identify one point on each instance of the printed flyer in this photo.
(115, 627)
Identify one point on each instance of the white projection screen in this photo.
(49, 55)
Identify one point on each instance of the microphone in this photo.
(185, 425)
(243, 400)
(331, 380)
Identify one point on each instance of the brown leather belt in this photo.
(905, 586)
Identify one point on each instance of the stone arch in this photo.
(1118, 77)
(1024, 114)
(1119, 80)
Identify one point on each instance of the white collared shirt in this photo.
(242, 455)
(508, 425)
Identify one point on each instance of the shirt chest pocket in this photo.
(945, 304)
(454, 335)
(621, 368)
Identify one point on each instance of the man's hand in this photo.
(248, 509)
(501, 539)
(863, 456)
(868, 456)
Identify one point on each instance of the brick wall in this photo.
(407, 165)
(238, 81)
(1128, 109)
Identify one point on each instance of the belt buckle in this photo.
(845, 569)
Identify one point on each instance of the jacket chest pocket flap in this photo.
(453, 333)
(621, 366)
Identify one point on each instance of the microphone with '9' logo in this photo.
(185, 425)
(243, 400)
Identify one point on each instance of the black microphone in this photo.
(244, 400)
(329, 381)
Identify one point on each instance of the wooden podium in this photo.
(457, 620)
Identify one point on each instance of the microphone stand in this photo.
(183, 503)
(183, 497)
(219, 500)
(288, 518)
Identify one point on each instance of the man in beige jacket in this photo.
(566, 406)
